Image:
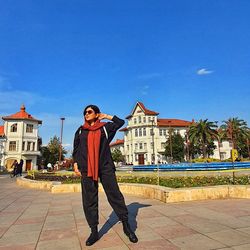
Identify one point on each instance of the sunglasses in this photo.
(89, 112)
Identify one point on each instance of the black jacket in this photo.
(80, 155)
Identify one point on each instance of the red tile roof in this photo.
(117, 142)
(21, 115)
(172, 123)
(144, 109)
(123, 129)
(1, 130)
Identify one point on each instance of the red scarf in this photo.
(94, 139)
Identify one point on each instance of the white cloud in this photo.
(204, 72)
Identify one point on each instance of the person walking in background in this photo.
(92, 160)
(15, 167)
(20, 167)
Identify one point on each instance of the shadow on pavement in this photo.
(133, 209)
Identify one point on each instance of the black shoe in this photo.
(127, 230)
(92, 238)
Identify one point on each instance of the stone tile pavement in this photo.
(33, 219)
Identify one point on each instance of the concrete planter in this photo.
(163, 194)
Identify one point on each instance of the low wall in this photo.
(163, 194)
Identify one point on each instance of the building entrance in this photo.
(28, 165)
(141, 159)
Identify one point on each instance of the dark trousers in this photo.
(114, 196)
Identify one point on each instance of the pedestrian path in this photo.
(33, 219)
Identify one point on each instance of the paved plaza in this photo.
(34, 219)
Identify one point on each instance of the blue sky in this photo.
(184, 59)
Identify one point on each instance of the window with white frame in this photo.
(140, 132)
(136, 146)
(140, 145)
(23, 146)
(223, 155)
(13, 127)
(145, 145)
(136, 132)
(29, 128)
(139, 119)
(12, 146)
(160, 132)
(144, 132)
(29, 146)
(135, 121)
(144, 119)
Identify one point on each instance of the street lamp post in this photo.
(187, 146)
(60, 151)
(170, 141)
(153, 144)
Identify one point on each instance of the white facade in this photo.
(145, 137)
(118, 144)
(224, 151)
(2, 140)
(21, 132)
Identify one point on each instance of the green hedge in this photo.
(172, 182)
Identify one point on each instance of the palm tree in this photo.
(235, 128)
(202, 132)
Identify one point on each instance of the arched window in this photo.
(13, 127)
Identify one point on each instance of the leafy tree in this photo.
(202, 134)
(195, 149)
(50, 153)
(176, 145)
(243, 145)
(236, 129)
(117, 155)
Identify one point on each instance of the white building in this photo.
(118, 144)
(145, 137)
(21, 133)
(224, 151)
(2, 140)
(146, 134)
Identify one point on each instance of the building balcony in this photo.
(138, 151)
(31, 153)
